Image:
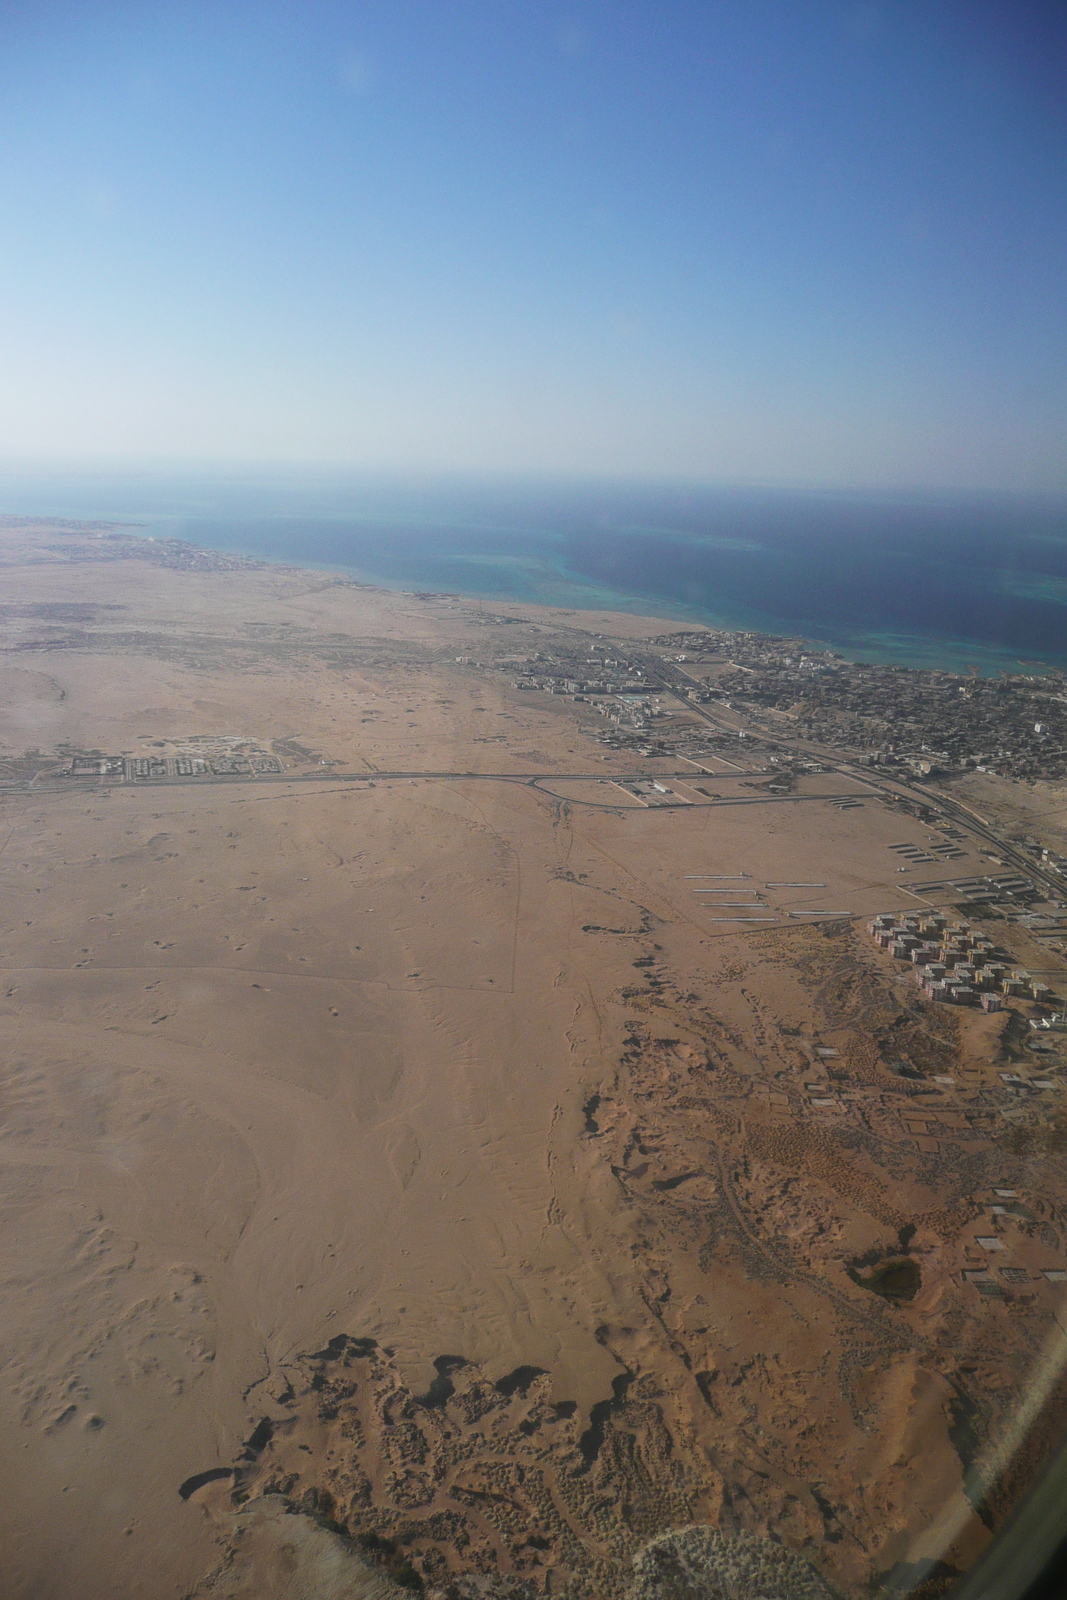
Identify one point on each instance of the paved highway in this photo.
(669, 679)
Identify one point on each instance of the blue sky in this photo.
(754, 241)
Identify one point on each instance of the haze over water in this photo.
(570, 262)
(945, 580)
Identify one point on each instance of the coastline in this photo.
(939, 585)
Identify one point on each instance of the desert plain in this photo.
(412, 1169)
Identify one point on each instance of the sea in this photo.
(959, 582)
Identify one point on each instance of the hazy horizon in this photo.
(265, 472)
(817, 247)
(941, 578)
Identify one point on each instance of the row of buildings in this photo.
(954, 963)
(156, 769)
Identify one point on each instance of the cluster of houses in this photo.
(928, 721)
(953, 963)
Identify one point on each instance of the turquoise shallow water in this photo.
(935, 580)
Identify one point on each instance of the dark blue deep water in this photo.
(934, 579)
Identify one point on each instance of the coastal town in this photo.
(930, 721)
